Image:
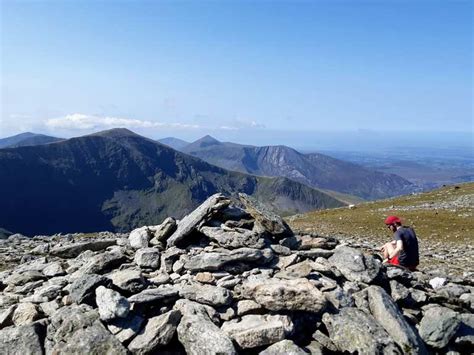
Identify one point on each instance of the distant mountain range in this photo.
(27, 139)
(315, 170)
(117, 180)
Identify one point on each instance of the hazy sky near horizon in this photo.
(184, 68)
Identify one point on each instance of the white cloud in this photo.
(79, 121)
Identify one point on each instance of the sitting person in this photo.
(403, 250)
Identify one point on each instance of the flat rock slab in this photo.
(82, 290)
(258, 330)
(292, 295)
(207, 294)
(73, 250)
(354, 265)
(155, 294)
(354, 331)
(214, 261)
(269, 221)
(157, 332)
(204, 212)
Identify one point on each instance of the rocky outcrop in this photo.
(224, 280)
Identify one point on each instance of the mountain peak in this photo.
(116, 133)
(206, 141)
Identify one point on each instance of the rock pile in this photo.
(223, 280)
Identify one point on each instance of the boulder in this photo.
(82, 290)
(162, 232)
(157, 332)
(101, 262)
(233, 238)
(267, 220)
(438, 326)
(258, 330)
(127, 328)
(24, 339)
(203, 213)
(215, 261)
(286, 347)
(198, 334)
(25, 313)
(54, 269)
(247, 306)
(148, 258)
(291, 295)
(352, 330)
(128, 280)
(386, 312)
(212, 295)
(354, 265)
(140, 237)
(111, 304)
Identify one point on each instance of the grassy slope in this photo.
(441, 218)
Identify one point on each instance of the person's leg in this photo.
(388, 249)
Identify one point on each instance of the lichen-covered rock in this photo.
(354, 265)
(286, 347)
(207, 294)
(157, 332)
(198, 334)
(148, 258)
(438, 326)
(24, 339)
(257, 330)
(354, 330)
(292, 295)
(111, 304)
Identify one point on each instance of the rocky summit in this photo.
(228, 278)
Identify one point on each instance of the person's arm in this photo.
(398, 248)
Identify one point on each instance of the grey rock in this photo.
(354, 265)
(48, 292)
(386, 312)
(203, 213)
(140, 237)
(269, 221)
(339, 298)
(283, 347)
(324, 340)
(198, 334)
(163, 231)
(294, 295)
(54, 269)
(127, 328)
(399, 292)
(148, 258)
(49, 308)
(102, 262)
(438, 326)
(128, 280)
(306, 242)
(248, 306)
(25, 313)
(353, 330)
(21, 340)
(19, 279)
(215, 261)
(233, 238)
(111, 304)
(155, 294)
(157, 332)
(258, 330)
(6, 316)
(94, 339)
(82, 289)
(465, 334)
(207, 294)
(452, 290)
(73, 250)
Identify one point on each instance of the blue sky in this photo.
(236, 68)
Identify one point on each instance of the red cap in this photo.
(392, 219)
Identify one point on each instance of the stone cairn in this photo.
(228, 278)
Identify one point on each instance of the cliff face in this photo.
(314, 170)
(117, 180)
(230, 277)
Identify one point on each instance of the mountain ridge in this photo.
(116, 180)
